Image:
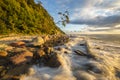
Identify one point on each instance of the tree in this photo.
(64, 18)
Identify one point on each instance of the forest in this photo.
(25, 17)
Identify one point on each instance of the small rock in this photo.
(59, 49)
(3, 53)
(16, 72)
(31, 71)
(52, 61)
(18, 44)
(65, 52)
(9, 48)
(17, 50)
(31, 49)
(23, 57)
(67, 48)
(82, 44)
(46, 38)
(48, 50)
(38, 41)
(41, 52)
(26, 41)
(97, 48)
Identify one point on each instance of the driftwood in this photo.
(80, 53)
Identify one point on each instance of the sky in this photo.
(87, 15)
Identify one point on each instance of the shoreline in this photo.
(76, 58)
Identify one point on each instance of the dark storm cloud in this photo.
(108, 21)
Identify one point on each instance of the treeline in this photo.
(25, 17)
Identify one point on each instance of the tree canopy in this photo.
(64, 18)
(25, 17)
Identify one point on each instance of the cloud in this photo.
(102, 13)
(100, 29)
(110, 4)
(99, 21)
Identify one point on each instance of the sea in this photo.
(115, 38)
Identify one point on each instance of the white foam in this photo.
(75, 67)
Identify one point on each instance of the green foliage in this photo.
(64, 18)
(25, 17)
